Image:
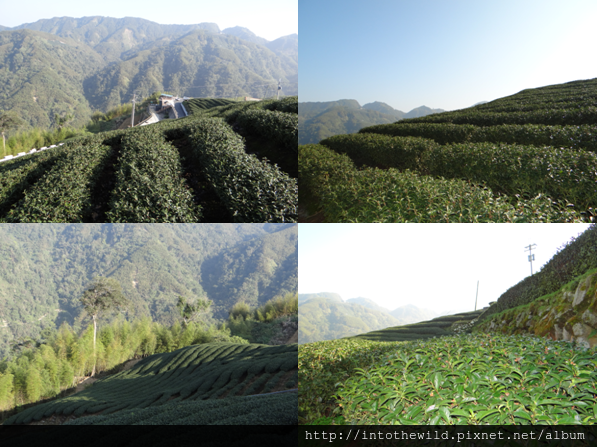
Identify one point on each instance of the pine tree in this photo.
(102, 294)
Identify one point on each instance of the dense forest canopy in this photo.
(67, 67)
(44, 269)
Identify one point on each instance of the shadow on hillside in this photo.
(82, 383)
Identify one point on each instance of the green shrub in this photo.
(63, 193)
(280, 127)
(381, 150)
(253, 191)
(372, 195)
(149, 185)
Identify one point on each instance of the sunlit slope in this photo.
(446, 325)
(528, 157)
(198, 375)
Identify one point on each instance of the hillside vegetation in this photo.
(528, 359)
(320, 120)
(44, 270)
(326, 316)
(194, 169)
(74, 66)
(200, 384)
(49, 369)
(529, 157)
(326, 319)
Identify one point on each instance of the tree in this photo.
(190, 312)
(63, 119)
(8, 121)
(6, 391)
(33, 384)
(101, 295)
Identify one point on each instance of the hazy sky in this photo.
(433, 266)
(269, 19)
(442, 54)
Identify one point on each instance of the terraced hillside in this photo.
(529, 157)
(208, 167)
(529, 358)
(212, 383)
(446, 325)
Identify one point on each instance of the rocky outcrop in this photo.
(569, 314)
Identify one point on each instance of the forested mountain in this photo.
(198, 64)
(245, 34)
(44, 269)
(320, 120)
(42, 75)
(109, 36)
(287, 45)
(326, 316)
(412, 314)
(369, 304)
(61, 66)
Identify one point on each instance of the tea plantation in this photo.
(456, 370)
(207, 384)
(227, 162)
(529, 157)
(459, 379)
(436, 372)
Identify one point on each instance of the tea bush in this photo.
(194, 373)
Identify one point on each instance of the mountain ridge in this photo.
(320, 120)
(116, 57)
(326, 316)
(153, 263)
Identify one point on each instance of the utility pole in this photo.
(279, 88)
(529, 248)
(133, 118)
(477, 296)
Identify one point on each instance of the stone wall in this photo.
(569, 314)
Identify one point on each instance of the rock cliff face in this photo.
(569, 314)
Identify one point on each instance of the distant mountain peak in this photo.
(245, 34)
(325, 119)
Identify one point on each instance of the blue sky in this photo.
(433, 266)
(269, 19)
(439, 53)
